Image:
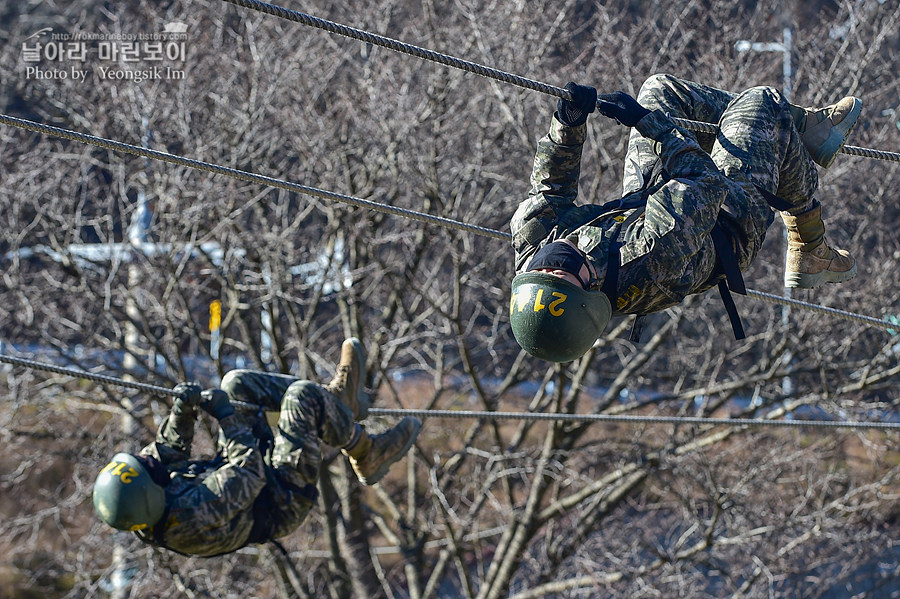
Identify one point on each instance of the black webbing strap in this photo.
(613, 263)
(773, 200)
(731, 309)
(727, 264)
(160, 528)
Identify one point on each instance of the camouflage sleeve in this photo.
(554, 187)
(680, 215)
(175, 435)
(235, 485)
(213, 514)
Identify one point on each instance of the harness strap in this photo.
(637, 327)
(727, 264)
(160, 527)
(773, 200)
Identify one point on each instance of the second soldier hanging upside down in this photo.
(253, 490)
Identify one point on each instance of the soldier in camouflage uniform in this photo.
(694, 206)
(259, 486)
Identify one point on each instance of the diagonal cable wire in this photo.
(485, 415)
(402, 47)
(479, 69)
(843, 314)
(199, 165)
(372, 205)
(103, 378)
(636, 419)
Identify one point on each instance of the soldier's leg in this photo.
(758, 145)
(258, 388)
(681, 99)
(309, 413)
(684, 99)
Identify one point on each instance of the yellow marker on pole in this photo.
(215, 321)
(215, 315)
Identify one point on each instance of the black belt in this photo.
(727, 265)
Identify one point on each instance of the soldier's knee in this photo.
(303, 390)
(657, 81)
(653, 91)
(764, 93)
(233, 383)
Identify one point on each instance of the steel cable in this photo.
(486, 415)
(119, 146)
(479, 69)
(370, 204)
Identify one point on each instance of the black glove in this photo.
(188, 395)
(215, 403)
(584, 102)
(622, 107)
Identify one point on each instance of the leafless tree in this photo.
(482, 508)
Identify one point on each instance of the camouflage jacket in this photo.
(667, 253)
(208, 503)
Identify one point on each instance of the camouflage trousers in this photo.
(757, 145)
(308, 414)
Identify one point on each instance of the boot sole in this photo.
(797, 280)
(828, 151)
(383, 469)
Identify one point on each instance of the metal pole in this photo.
(787, 73)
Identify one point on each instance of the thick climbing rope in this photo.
(370, 204)
(479, 69)
(488, 415)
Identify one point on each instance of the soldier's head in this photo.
(557, 310)
(129, 492)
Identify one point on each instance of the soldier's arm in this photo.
(554, 186)
(243, 474)
(233, 487)
(175, 435)
(685, 209)
(215, 516)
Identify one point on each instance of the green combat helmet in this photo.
(125, 496)
(555, 320)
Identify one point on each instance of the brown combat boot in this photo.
(810, 261)
(825, 130)
(348, 384)
(371, 456)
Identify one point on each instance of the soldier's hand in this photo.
(215, 402)
(621, 107)
(188, 393)
(575, 112)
